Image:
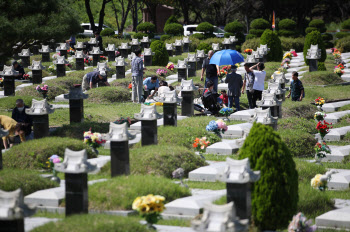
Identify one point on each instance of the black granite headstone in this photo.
(37, 76)
(79, 64)
(186, 47)
(170, 114)
(181, 74)
(76, 110)
(187, 108)
(134, 48)
(76, 193)
(144, 45)
(192, 69)
(123, 52)
(45, 57)
(233, 46)
(178, 50)
(64, 53)
(200, 63)
(9, 85)
(148, 60)
(120, 162)
(149, 132)
(12, 225)
(95, 59)
(240, 194)
(111, 56)
(227, 46)
(120, 72)
(40, 126)
(61, 70)
(35, 49)
(313, 66)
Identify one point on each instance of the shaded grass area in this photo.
(29, 181)
(206, 185)
(321, 78)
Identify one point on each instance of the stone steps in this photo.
(334, 106)
(335, 134)
(338, 154)
(335, 117)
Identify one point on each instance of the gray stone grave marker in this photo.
(96, 53)
(9, 74)
(145, 42)
(186, 44)
(201, 56)
(147, 55)
(79, 60)
(111, 52)
(192, 64)
(170, 101)
(60, 63)
(124, 50)
(169, 49)
(178, 47)
(120, 67)
(269, 100)
(182, 68)
(62, 48)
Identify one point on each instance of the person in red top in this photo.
(224, 97)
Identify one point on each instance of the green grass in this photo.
(321, 78)
(8, 103)
(108, 94)
(29, 181)
(214, 157)
(119, 192)
(206, 185)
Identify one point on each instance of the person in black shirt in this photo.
(211, 71)
(20, 116)
(19, 69)
(99, 40)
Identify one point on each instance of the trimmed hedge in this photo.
(341, 34)
(287, 28)
(161, 56)
(274, 43)
(344, 44)
(171, 19)
(146, 27)
(107, 32)
(205, 27)
(346, 24)
(310, 29)
(234, 27)
(165, 37)
(250, 36)
(140, 35)
(174, 29)
(34, 153)
(251, 44)
(314, 38)
(319, 24)
(258, 26)
(292, 43)
(204, 46)
(198, 36)
(108, 94)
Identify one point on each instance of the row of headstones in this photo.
(260, 55)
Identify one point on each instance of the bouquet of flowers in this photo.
(226, 111)
(323, 128)
(340, 66)
(162, 72)
(319, 101)
(170, 66)
(103, 58)
(130, 86)
(50, 164)
(117, 53)
(288, 55)
(1, 82)
(337, 55)
(294, 54)
(88, 61)
(217, 127)
(27, 77)
(200, 144)
(43, 90)
(316, 183)
(122, 120)
(94, 140)
(319, 116)
(285, 63)
(54, 56)
(71, 51)
(149, 207)
(322, 149)
(52, 69)
(301, 224)
(223, 72)
(338, 71)
(237, 65)
(248, 51)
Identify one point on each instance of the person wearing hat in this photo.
(235, 84)
(91, 79)
(19, 69)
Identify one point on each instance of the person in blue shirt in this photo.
(296, 88)
(91, 79)
(71, 41)
(151, 83)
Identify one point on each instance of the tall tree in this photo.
(122, 12)
(91, 17)
(89, 13)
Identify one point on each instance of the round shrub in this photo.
(251, 44)
(34, 153)
(346, 24)
(161, 56)
(198, 36)
(234, 27)
(174, 29)
(107, 32)
(279, 179)
(319, 24)
(310, 29)
(139, 35)
(274, 43)
(327, 37)
(171, 19)
(260, 23)
(205, 27)
(344, 44)
(228, 34)
(240, 37)
(256, 32)
(146, 27)
(250, 36)
(314, 38)
(204, 46)
(165, 37)
(341, 34)
(292, 43)
(287, 33)
(287, 24)
(300, 143)
(108, 94)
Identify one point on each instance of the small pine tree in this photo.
(274, 43)
(275, 195)
(161, 56)
(314, 38)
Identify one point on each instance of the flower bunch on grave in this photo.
(50, 163)
(301, 224)
(319, 116)
(117, 53)
(340, 66)
(162, 72)
(43, 90)
(71, 51)
(170, 66)
(339, 71)
(94, 140)
(130, 86)
(103, 58)
(1, 82)
(52, 69)
(317, 183)
(337, 55)
(217, 127)
(54, 56)
(27, 77)
(323, 128)
(319, 101)
(321, 149)
(288, 55)
(88, 61)
(200, 144)
(149, 207)
(223, 72)
(248, 51)
(226, 112)
(122, 120)
(294, 54)
(154, 103)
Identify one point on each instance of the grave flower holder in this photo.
(93, 43)
(96, 53)
(178, 47)
(186, 44)
(269, 100)
(60, 63)
(147, 55)
(79, 60)
(25, 55)
(135, 44)
(111, 52)
(182, 69)
(124, 50)
(76, 104)
(201, 56)
(192, 64)
(62, 48)
(169, 49)
(145, 42)
(227, 44)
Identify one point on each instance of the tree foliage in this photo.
(274, 43)
(314, 38)
(161, 56)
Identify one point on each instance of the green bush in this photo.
(107, 32)
(108, 94)
(258, 26)
(256, 32)
(76, 130)
(161, 56)
(341, 34)
(165, 37)
(241, 38)
(346, 24)
(140, 35)
(321, 66)
(205, 27)
(234, 27)
(103, 195)
(28, 181)
(250, 36)
(146, 27)
(299, 142)
(310, 29)
(279, 178)
(198, 36)
(171, 19)
(204, 46)
(314, 38)
(319, 24)
(34, 153)
(287, 33)
(343, 44)
(274, 43)
(8, 103)
(292, 43)
(251, 44)
(228, 34)
(174, 29)
(287, 24)
(327, 37)
(321, 77)
(94, 223)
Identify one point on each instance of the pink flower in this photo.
(56, 160)
(38, 87)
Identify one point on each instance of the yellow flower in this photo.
(144, 208)
(136, 204)
(220, 120)
(271, 76)
(149, 199)
(159, 208)
(152, 208)
(159, 198)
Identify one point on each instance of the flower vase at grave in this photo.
(54, 177)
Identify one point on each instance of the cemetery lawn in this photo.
(206, 185)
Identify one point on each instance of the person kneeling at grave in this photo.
(209, 100)
(151, 83)
(19, 68)
(296, 88)
(163, 87)
(13, 128)
(91, 79)
(20, 116)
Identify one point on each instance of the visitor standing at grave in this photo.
(71, 41)
(211, 71)
(296, 88)
(91, 79)
(151, 83)
(257, 84)
(137, 72)
(19, 115)
(235, 84)
(99, 40)
(248, 84)
(13, 128)
(19, 68)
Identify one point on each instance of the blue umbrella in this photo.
(226, 57)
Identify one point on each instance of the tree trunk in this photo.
(89, 13)
(102, 15)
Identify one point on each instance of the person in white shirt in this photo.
(259, 81)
